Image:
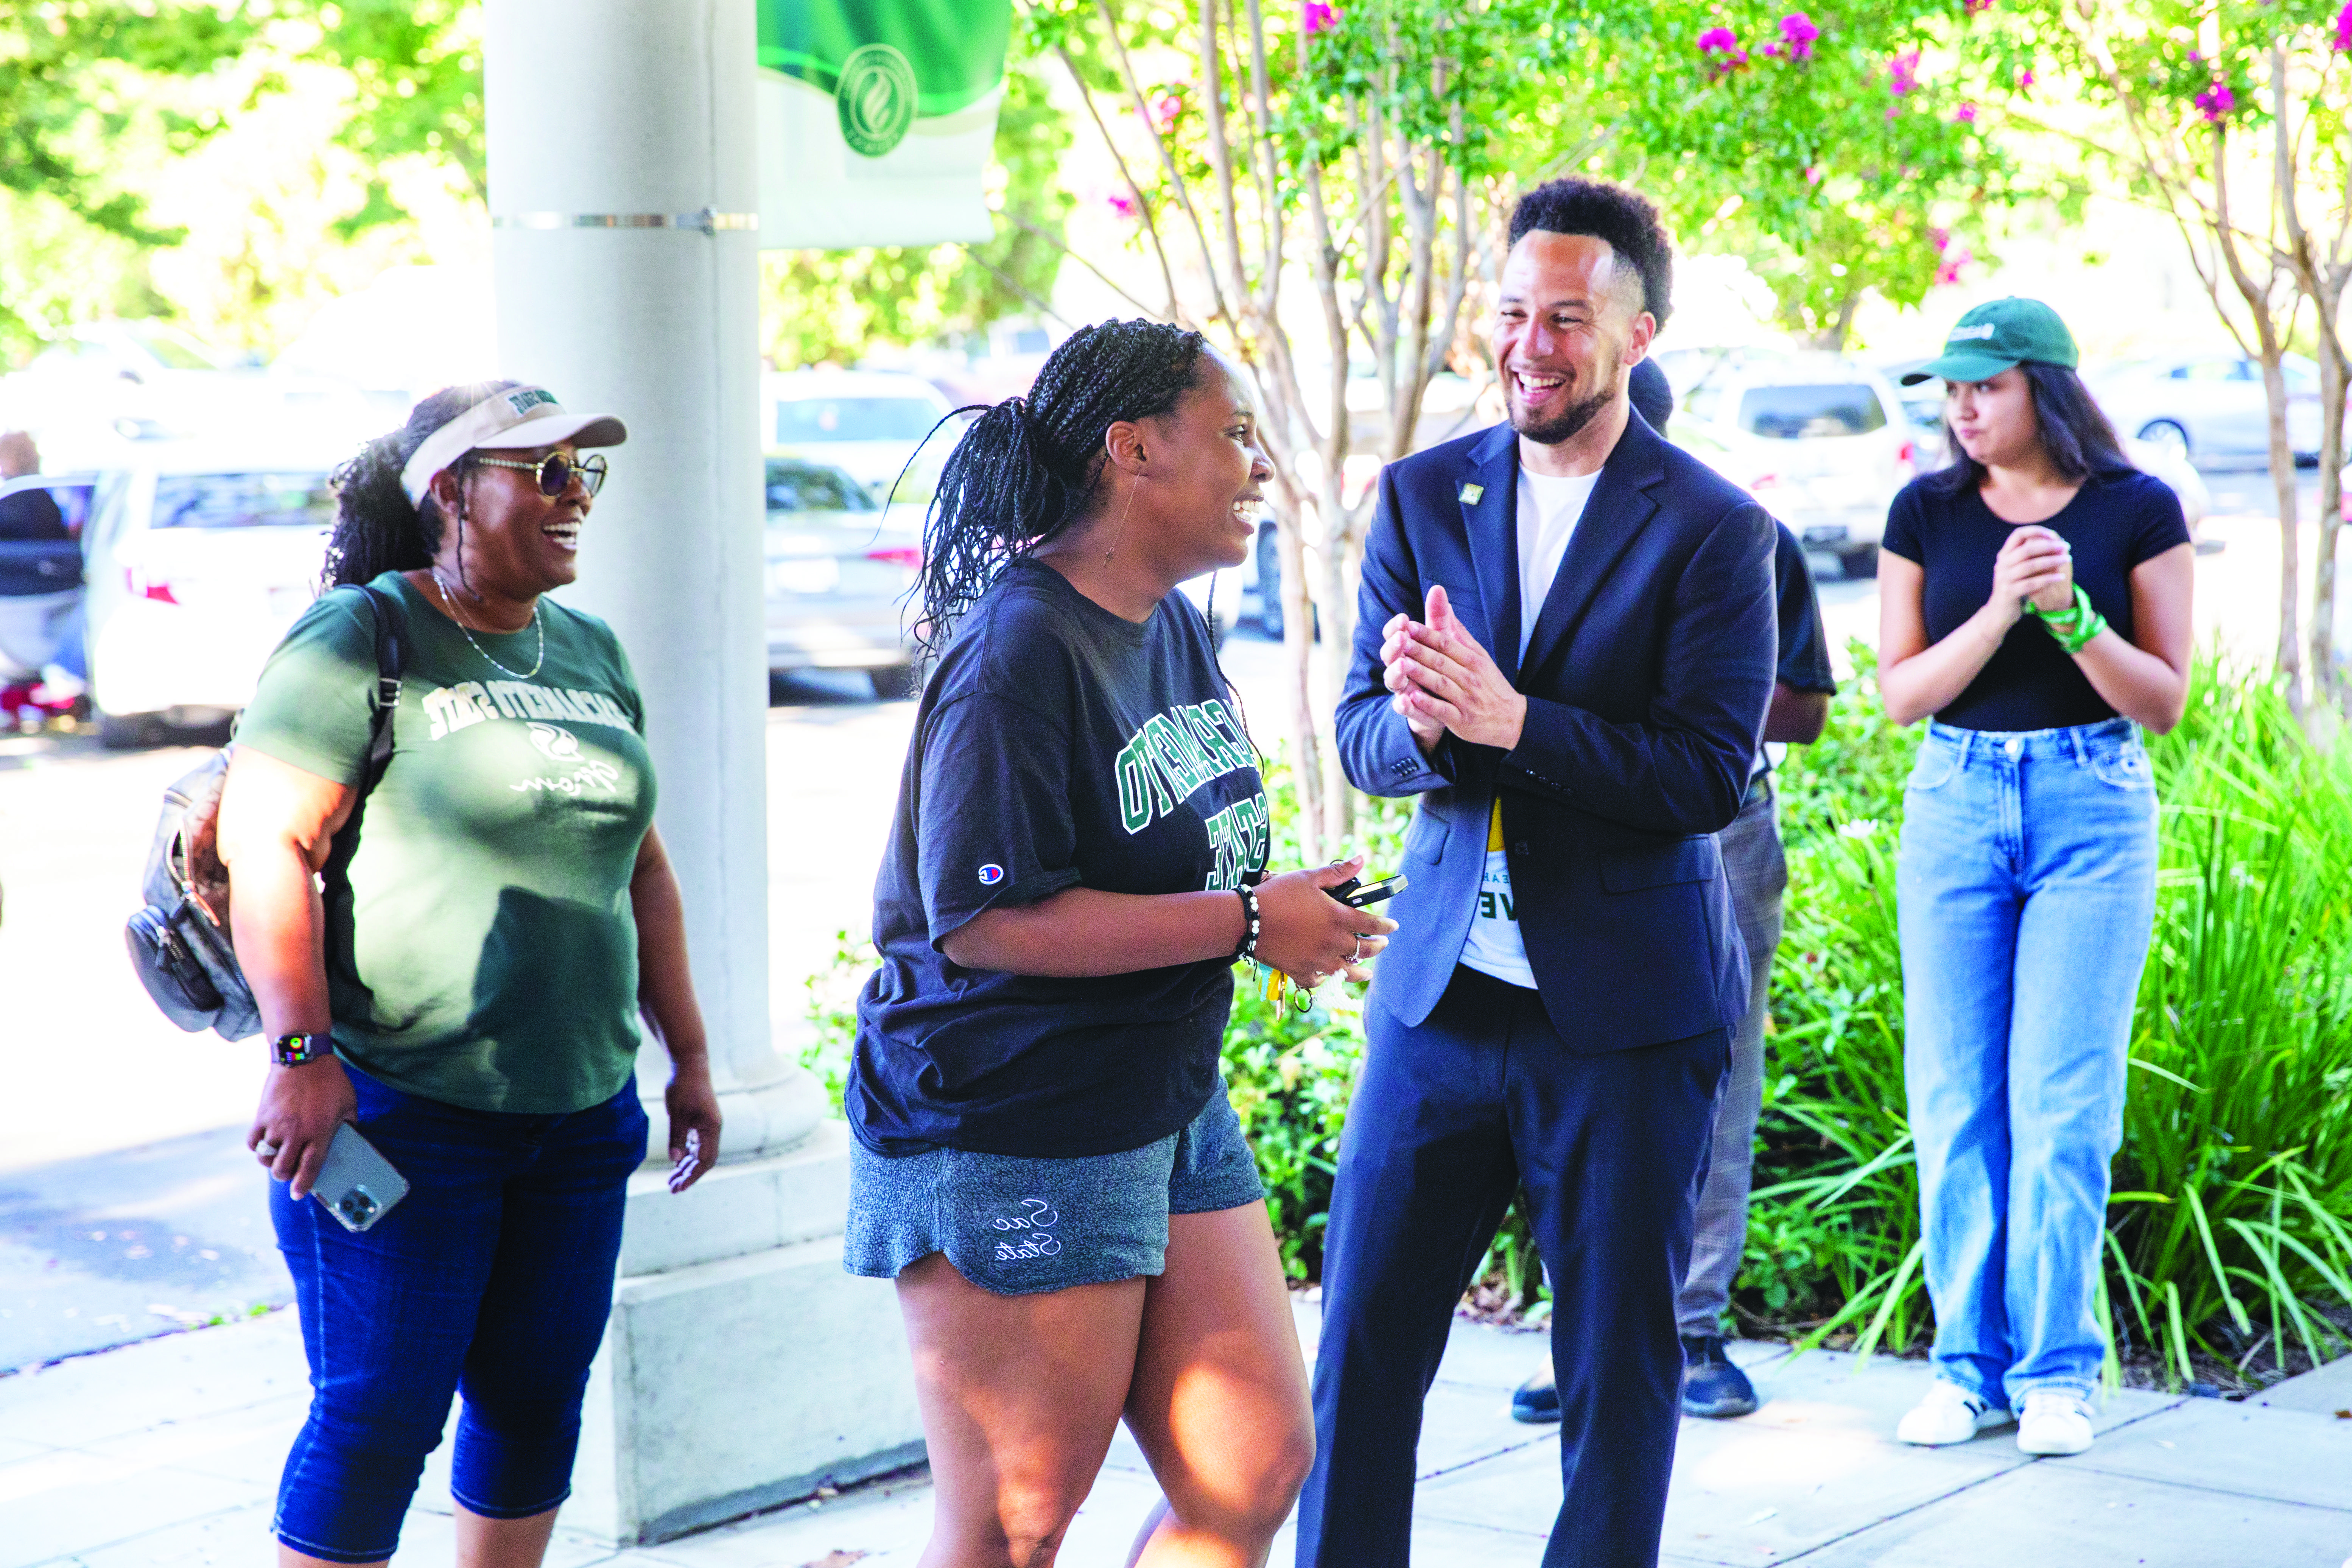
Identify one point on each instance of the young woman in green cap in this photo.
(2035, 600)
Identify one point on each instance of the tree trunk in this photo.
(1306, 770)
(2290, 513)
(2327, 683)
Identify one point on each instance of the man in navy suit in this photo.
(1565, 648)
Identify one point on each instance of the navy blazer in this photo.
(1647, 683)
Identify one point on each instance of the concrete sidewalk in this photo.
(166, 1455)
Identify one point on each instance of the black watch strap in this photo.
(294, 1050)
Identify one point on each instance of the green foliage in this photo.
(416, 68)
(76, 77)
(818, 306)
(831, 1011)
(1836, 163)
(70, 82)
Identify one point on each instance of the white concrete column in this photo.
(742, 1368)
(633, 111)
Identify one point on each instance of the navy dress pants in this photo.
(1447, 1121)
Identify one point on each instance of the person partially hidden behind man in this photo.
(1713, 1386)
(1565, 648)
(29, 515)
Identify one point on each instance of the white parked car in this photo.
(199, 558)
(868, 422)
(839, 580)
(2208, 407)
(1821, 441)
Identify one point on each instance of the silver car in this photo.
(838, 578)
(2210, 408)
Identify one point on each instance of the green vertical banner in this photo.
(877, 120)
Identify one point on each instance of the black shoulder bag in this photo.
(180, 943)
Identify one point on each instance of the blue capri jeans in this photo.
(493, 1278)
(2027, 886)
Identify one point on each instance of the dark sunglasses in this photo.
(555, 472)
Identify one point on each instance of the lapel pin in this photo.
(1470, 494)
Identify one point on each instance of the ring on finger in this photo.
(267, 1151)
(1357, 956)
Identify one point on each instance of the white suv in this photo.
(1819, 440)
(868, 422)
(198, 560)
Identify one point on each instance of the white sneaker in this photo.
(2054, 1422)
(1949, 1413)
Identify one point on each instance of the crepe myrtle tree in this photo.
(76, 78)
(1314, 186)
(2231, 120)
(1840, 151)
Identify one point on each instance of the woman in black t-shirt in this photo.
(1045, 1160)
(2035, 597)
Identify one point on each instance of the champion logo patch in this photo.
(1970, 334)
(991, 875)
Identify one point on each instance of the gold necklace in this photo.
(458, 616)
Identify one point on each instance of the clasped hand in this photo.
(1441, 680)
(2034, 563)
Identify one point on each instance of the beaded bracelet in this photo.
(1248, 948)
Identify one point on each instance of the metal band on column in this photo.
(709, 220)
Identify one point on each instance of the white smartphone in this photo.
(357, 1185)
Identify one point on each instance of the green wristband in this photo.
(2082, 634)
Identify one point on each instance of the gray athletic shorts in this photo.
(1017, 1225)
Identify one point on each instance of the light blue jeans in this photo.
(2027, 886)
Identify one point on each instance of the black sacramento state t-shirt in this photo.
(1057, 745)
(2116, 520)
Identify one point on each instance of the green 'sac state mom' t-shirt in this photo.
(481, 947)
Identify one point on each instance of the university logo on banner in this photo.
(877, 119)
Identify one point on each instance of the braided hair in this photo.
(376, 529)
(1028, 468)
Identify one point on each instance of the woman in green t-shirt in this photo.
(456, 959)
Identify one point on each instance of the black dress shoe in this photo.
(1712, 1386)
(1537, 1399)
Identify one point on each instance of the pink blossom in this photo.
(1942, 236)
(2025, 73)
(1813, 174)
(1903, 72)
(1162, 112)
(2343, 29)
(1772, 51)
(1318, 16)
(1722, 41)
(1977, 7)
(2216, 102)
(1122, 204)
(1965, 114)
(1955, 259)
(1800, 31)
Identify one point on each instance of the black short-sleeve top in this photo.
(1057, 745)
(2116, 520)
